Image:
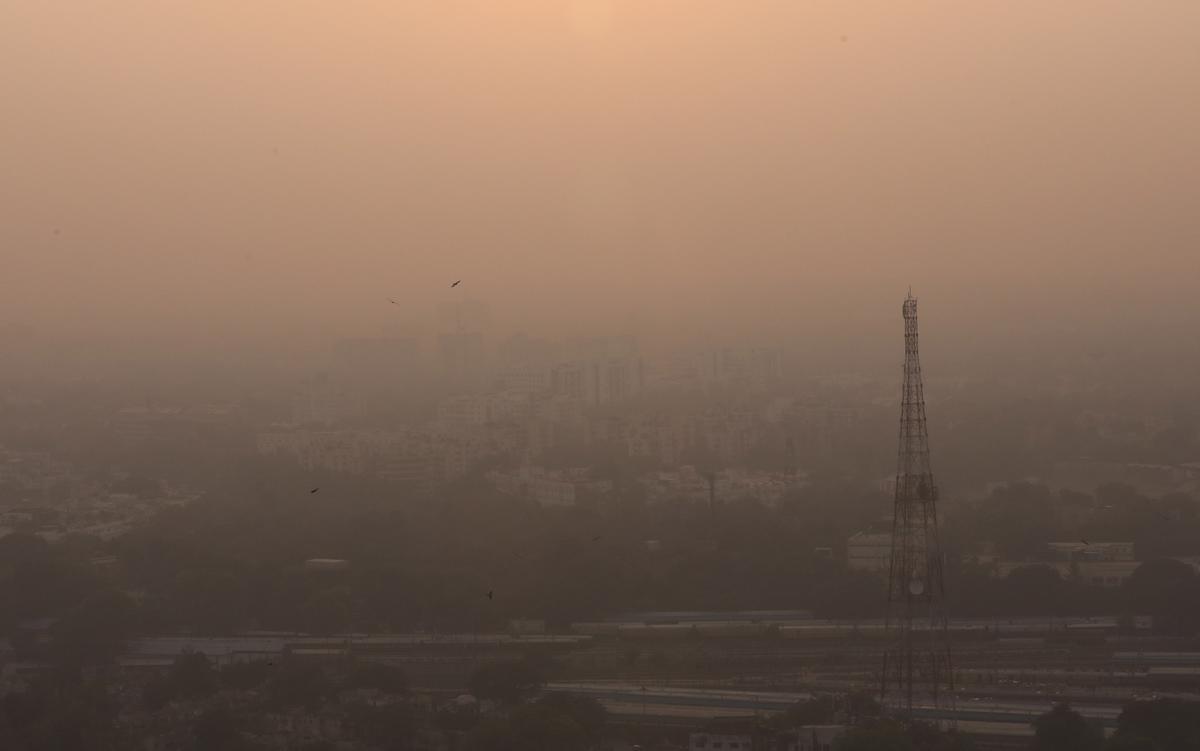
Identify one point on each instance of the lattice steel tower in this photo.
(916, 663)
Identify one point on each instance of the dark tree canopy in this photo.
(1162, 724)
(1169, 591)
(506, 681)
(1064, 729)
(887, 735)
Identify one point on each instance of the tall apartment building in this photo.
(597, 381)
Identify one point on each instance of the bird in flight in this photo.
(393, 302)
(1085, 542)
(491, 594)
(313, 491)
(455, 284)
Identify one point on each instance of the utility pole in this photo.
(712, 506)
(792, 467)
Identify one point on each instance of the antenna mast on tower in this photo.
(916, 664)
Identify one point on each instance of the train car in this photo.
(817, 632)
(742, 629)
(596, 629)
(664, 631)
(1158, 658)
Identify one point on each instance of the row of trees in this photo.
(69, 709)
(1021, 517)
(1159, 725)
(233, 561)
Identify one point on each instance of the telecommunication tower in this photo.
(917, 663)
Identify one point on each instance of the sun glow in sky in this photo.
(590, 18)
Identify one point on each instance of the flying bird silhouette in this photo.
(313, 491)
(456, 284)
(1085, 542)
(393, 302)
(490, 594)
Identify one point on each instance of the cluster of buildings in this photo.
(105, 516)
(27, 476)
(1100, 564)
(740, 735)
(535, 399)
(750, 368)
(1152, 479)
(51, 499)
(462, 439)
(134, 426)
(421, 460)
(689, 484)
(567, 487)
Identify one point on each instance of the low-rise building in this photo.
(1091, 551)
(869, 551)
(525, 626)
(811, 738)
(684, 484)
(326, 564)
(463, 413)
(719, 742)
(1099, 564)
(550, 487)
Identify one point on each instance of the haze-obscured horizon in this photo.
(190, 176)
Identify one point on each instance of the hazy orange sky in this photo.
(728, 168)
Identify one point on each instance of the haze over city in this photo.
(544, 374)
(273, 170)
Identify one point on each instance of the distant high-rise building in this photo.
(380, 354)
(460, 342)
(459, 316)
(463, 358)
(599, 380)
(601, 346)
(523, 379)
(520, 350)
(324, 400)
(758, 366)
(569, 380)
